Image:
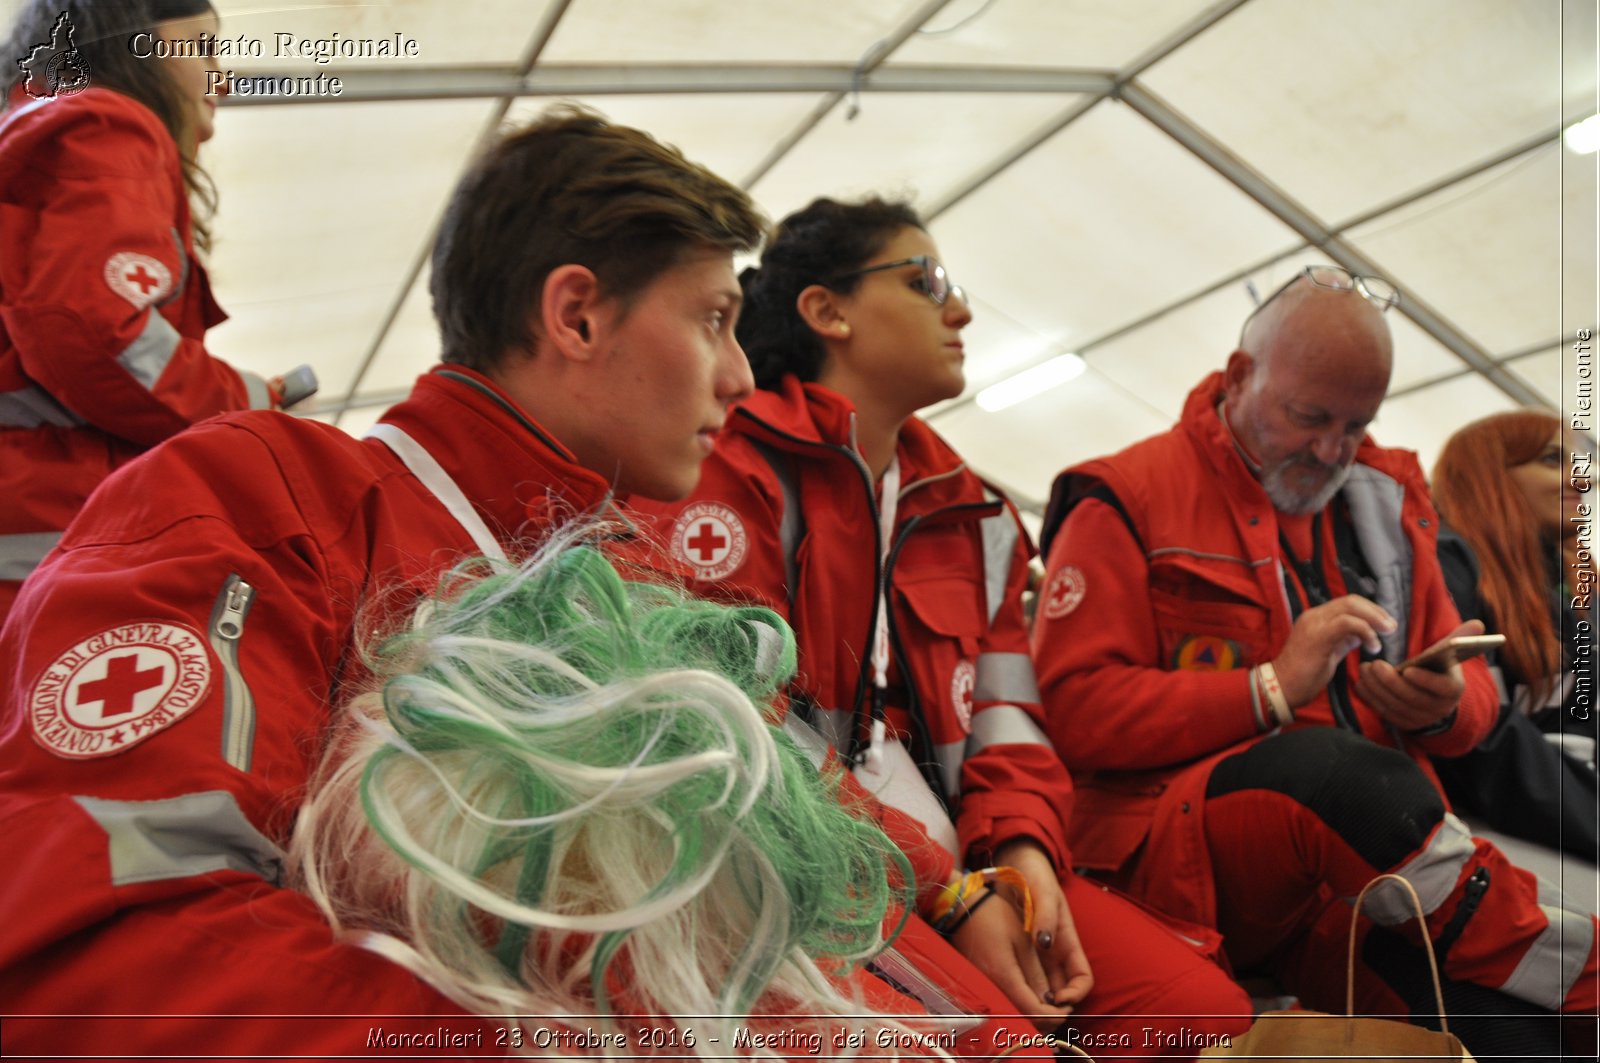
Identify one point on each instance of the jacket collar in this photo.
(512, 469)
(804, 418)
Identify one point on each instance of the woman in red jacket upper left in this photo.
(103, 303)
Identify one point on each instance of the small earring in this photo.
(843, 329)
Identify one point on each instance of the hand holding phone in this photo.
(1451, 650)
(297, 385)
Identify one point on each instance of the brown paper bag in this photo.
(1311, 1035)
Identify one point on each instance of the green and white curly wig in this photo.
(567, 797)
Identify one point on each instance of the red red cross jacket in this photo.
(786, 514)
(103, 307)
(142, 817)
(1143, 646)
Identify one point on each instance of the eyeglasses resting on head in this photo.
(1375, 290)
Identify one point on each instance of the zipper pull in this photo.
(230, 625)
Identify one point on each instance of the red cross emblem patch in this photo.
(962, 682)
(1064, 592)
(140, 279)
(710, 537)
(115, 689)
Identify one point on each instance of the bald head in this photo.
(1321, 327)
(1311, 370)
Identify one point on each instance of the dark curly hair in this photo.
(811, 246)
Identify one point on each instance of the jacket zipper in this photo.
(881, 568)
(238, 704)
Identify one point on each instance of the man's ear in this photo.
(1234, 378)
(568, 310)
(820, 309)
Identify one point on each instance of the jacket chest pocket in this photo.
(1208, 614)
(942, 624)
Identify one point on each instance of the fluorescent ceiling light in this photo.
(1031, 382)
(1583, 138)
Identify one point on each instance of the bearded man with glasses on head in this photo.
(1220, 644)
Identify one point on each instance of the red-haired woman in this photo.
(1516, 554)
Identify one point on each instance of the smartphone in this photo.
(1447, 651)
(299, 384)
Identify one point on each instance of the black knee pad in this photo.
(1373, 797)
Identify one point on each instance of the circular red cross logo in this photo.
(710, 537)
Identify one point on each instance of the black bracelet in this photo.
(1437, 727)
(966, 913)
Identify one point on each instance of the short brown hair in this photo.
(570, 188)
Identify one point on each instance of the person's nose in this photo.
(734, 379)
(957, 310)
(1334, 447)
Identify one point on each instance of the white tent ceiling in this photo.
(1104, 175)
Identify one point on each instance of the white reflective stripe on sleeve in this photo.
(1433, 872)
(439, 484)
(999, 546)
(1005, 677)
(832, 724)
(148, 356)
(903, 974)
(894, 779)
(812, 744)
(1552, 896)
(774, 656)
(255, 389)
(31, 407)
(180, 837)
(21, 553)
(1552, 964)
(1000, 725)
(950, 756)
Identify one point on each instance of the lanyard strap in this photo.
(1315, 584)
(1310, 575)
(439, 484)
(888, 505)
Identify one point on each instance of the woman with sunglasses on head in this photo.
(103, 304)
(1512, 556)
(829, 501)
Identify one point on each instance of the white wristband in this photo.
(1276, 699)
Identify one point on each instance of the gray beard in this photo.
(1286, 499)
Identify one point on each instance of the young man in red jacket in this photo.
(1217, 639)
(172, 667)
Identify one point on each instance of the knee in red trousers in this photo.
(1156, 993)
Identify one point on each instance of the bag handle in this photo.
(1427, 945)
